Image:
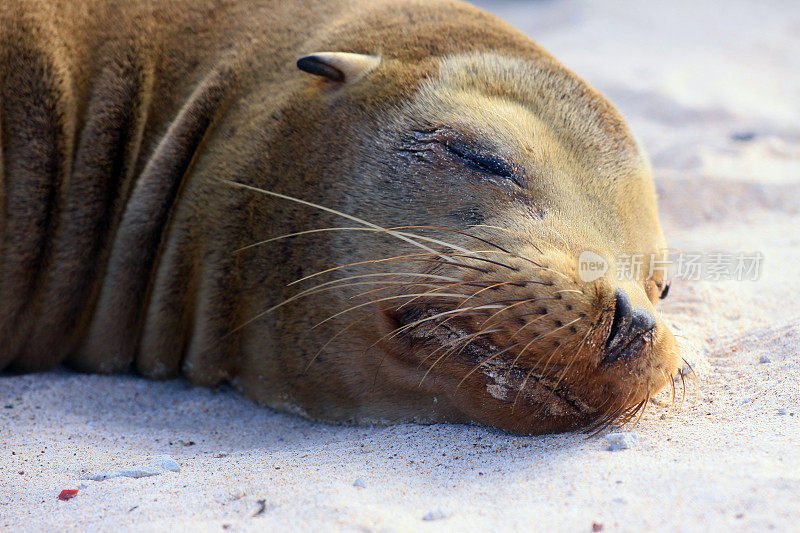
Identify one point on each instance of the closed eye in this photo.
(483, 161)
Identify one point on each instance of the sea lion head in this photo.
(497, 197)
(562, 330)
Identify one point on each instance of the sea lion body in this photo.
(130, 133)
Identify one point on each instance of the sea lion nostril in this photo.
(623, 315)
(627, 327)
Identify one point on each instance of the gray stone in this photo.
(167, 463)
(622, 441)
(436, 514)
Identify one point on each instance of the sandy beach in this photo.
(712, 90)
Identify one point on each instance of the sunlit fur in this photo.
(175, 141)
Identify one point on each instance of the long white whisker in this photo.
(330, 285)
(329, 210)
(345, 228)
(399, 330)
(407, 257)
(453, 350)
(450, 295)
(432, 276)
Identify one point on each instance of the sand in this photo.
(713, 92)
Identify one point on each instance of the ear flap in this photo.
(343, 67)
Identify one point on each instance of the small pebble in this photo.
(167, 463)
(764, 359)
(782, 411)
(67, 494)
(262, 508)
(359, 483)
(743, 136)
(438, 514)
(597, 526)
(621, 441)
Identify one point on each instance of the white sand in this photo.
(687, 75)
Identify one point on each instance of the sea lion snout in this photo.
(516, 339)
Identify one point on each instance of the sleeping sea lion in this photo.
(358, 211)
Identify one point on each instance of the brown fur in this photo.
(119, 239)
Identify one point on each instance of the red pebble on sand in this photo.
(66, 494)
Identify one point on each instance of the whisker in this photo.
(342, 330)
(429, 284)
(448, 352)
(577, 352)
(526, 324)
(607, 419)
(323, 287)
(483, 331)
(420, 321)
(458, 342)
(694, 375)
(529, 242)
(527, 376)
(393, 232)
(553, 246)
(501, 308)
(642, 409)
(388, 231)
(450, 295)
(490, 243)
(323, 208)
(383, 274)
(520, 302)
(672, 402)
(497, 354)
(511, 232)
(540, 337)
(441, 288)
(683, 392)
(505, 283)
(411, 257)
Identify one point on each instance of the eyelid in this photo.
(469, 152)
(484, 160)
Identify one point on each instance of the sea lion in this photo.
(358, 211)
